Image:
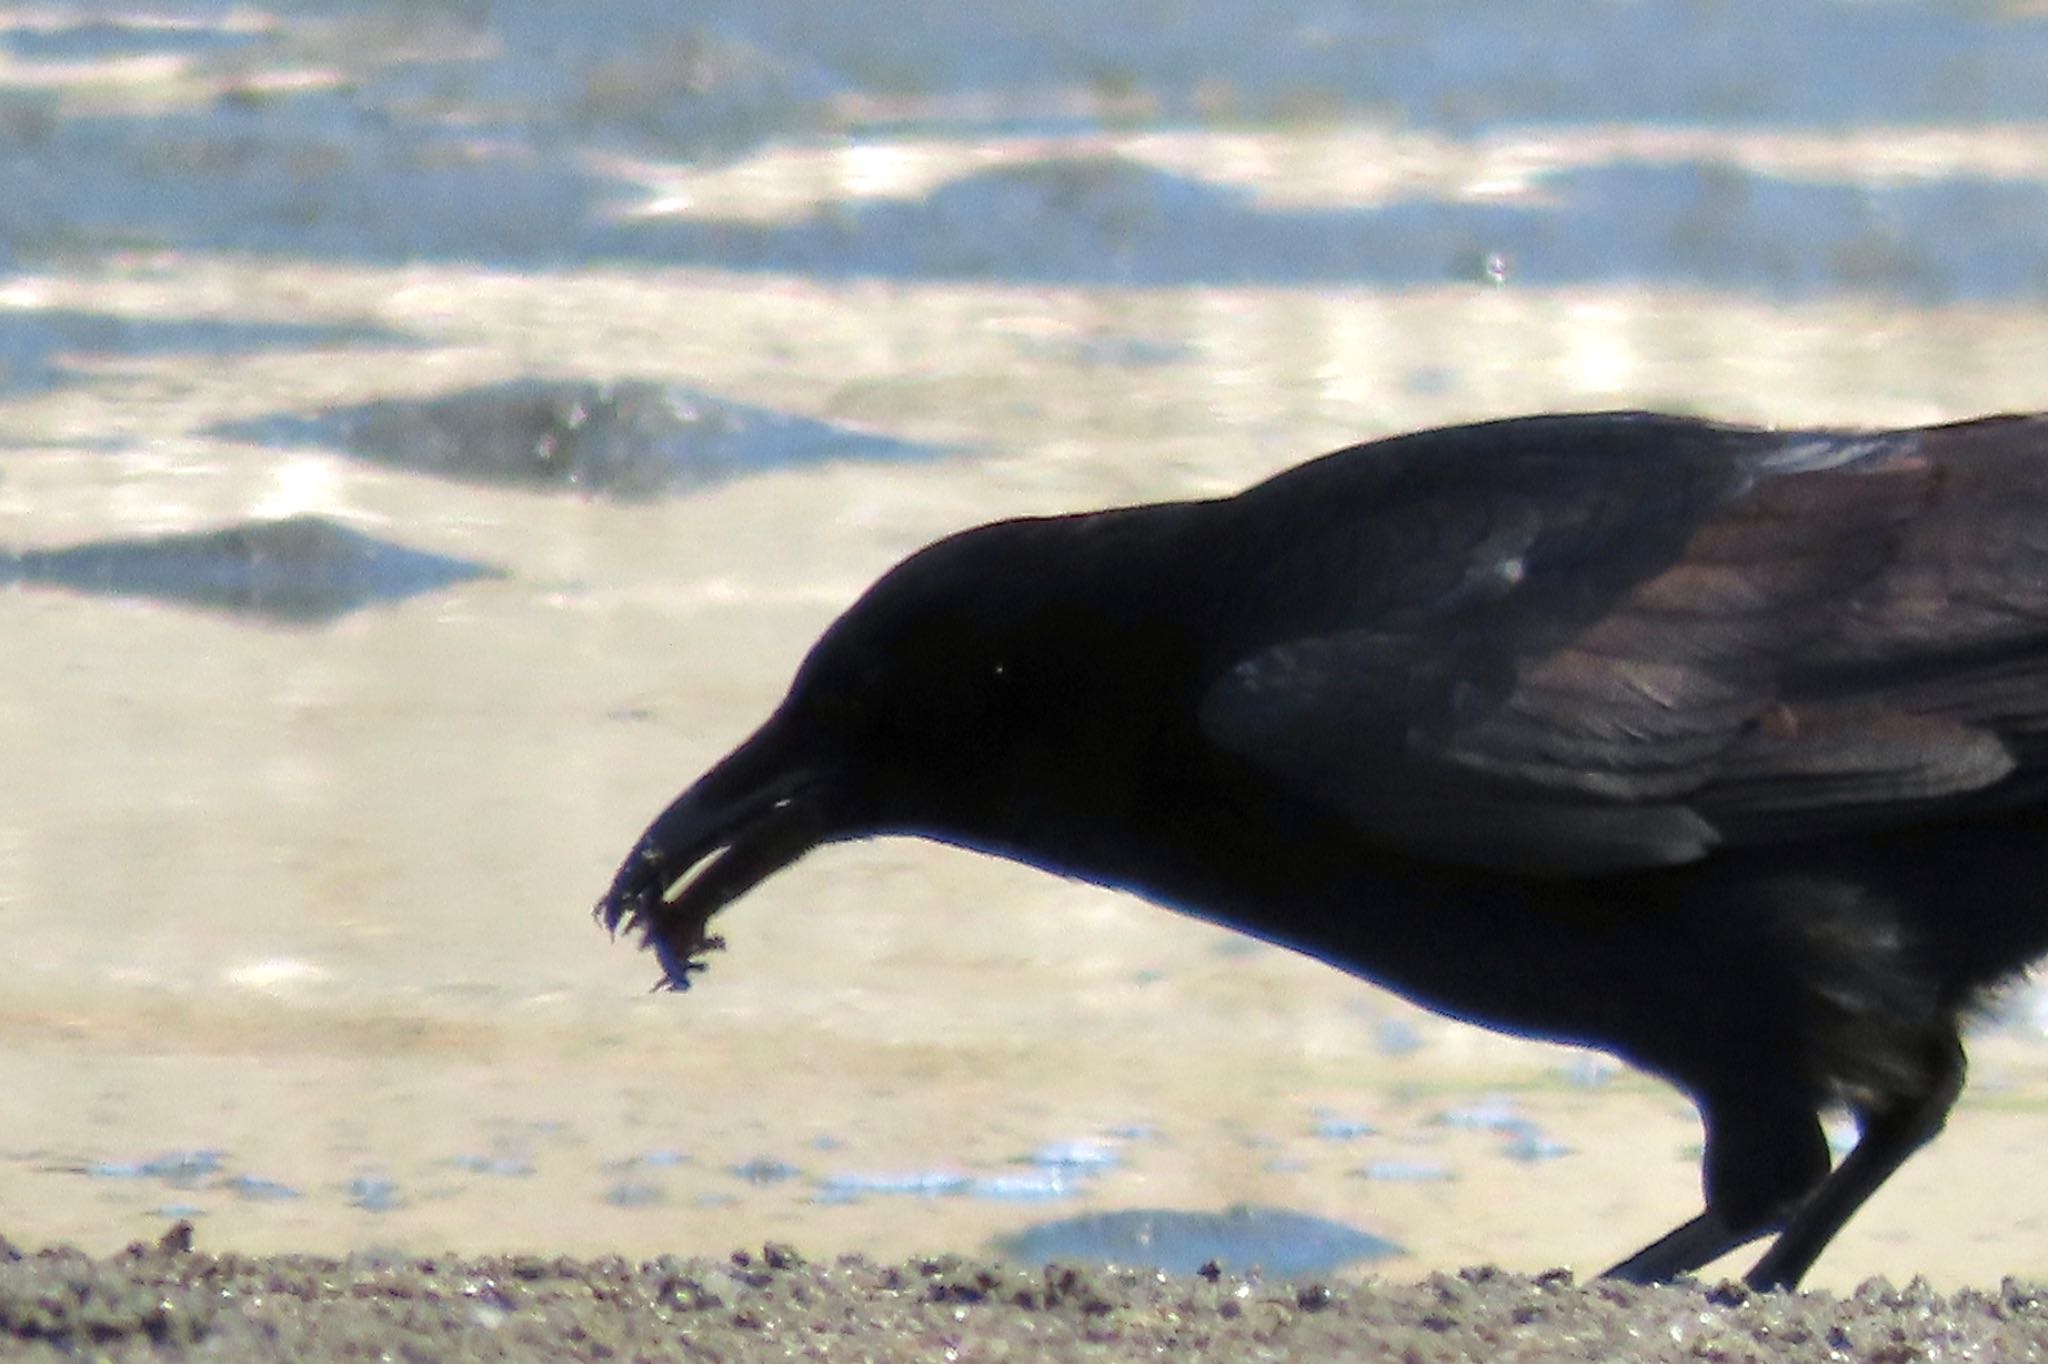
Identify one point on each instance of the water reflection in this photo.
(41, 347)
(1103, 220)
(517, 135)
(1284, 1244)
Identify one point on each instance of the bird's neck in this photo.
(1282, 878)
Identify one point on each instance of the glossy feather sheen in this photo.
(1752, 669)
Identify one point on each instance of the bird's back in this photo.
(1585, 645)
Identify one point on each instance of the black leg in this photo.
(1762, 1160)
(1889, 1136)
(1682, 1249)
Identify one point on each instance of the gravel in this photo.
(170, 1301)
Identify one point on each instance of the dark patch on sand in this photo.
(302, 571)
(631, 440)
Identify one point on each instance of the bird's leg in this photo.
(1682, 1249)
(1889, 1135)
(1762, 1160)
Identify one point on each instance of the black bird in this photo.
(1722, 749)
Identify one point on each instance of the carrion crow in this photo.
(1724, 750)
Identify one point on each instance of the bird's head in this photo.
(967, 696)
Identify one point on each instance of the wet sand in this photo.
(634, 1137)
(316, 899)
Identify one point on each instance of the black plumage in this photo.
(1722, 749)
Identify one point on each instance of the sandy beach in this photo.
(350, 944)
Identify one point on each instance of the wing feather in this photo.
(1829, 633)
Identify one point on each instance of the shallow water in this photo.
(625, 439)
(311, 903)
(302, 570)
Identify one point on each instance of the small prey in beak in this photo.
(746, 819)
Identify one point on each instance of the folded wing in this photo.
(1786, 637)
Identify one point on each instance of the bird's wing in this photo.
(1817, 634)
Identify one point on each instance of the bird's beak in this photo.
(758, 810)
